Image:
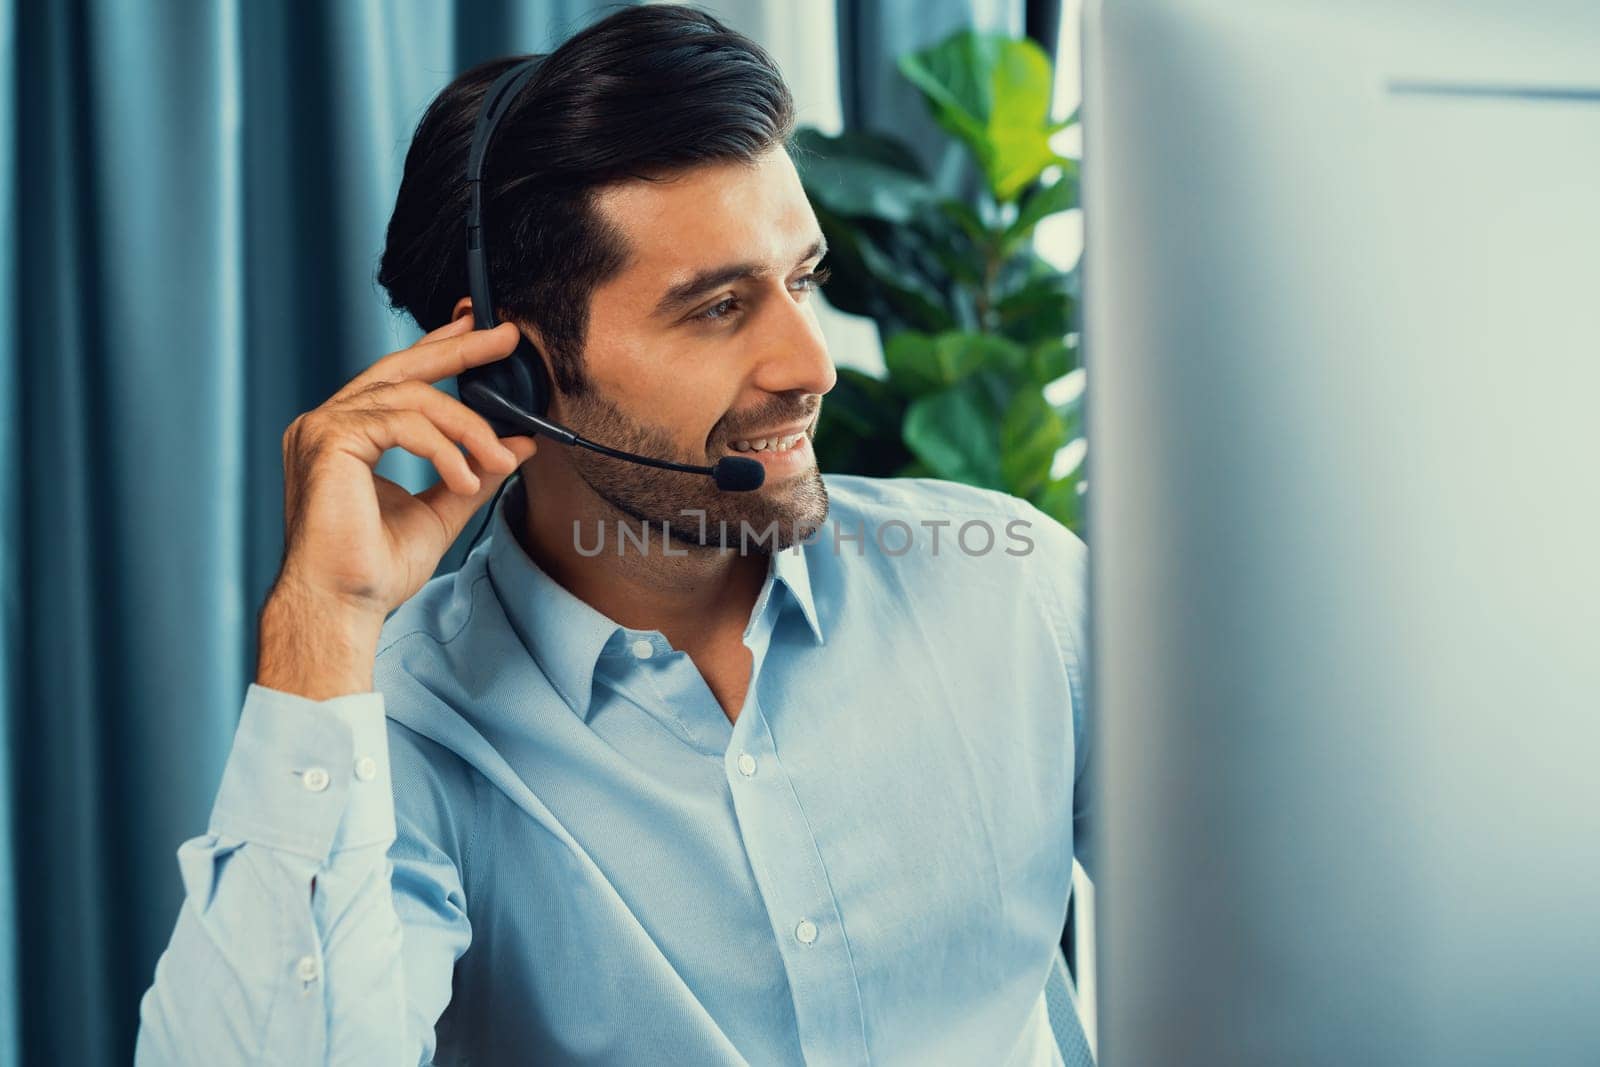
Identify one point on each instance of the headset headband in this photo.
(496, 102)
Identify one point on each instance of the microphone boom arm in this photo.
(731, 472)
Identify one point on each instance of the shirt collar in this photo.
(790, 568)
(564, 634)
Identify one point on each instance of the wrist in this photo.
(315, 647)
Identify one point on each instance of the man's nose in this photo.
(794, 356)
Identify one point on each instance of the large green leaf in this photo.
(810, 142)
(956, 434)
(907, 293)
(868, 281)
(994, 94)
(852, 289)
(966, 217)
(1041, 203)
(1030, 436)
(912, 360)
(857, 175)
(1071, 414)
(1061, 500)
(940, 242)
(1050, 359)
(859, 428)
(1039, 310)
(919, 363)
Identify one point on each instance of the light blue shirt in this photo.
(541, 840)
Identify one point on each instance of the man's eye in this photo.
(815, 280)
(725, 307)
(720, 310)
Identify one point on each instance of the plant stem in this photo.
(991, 268)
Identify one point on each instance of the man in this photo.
(809, 797)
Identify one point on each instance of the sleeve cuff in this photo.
(308, 776)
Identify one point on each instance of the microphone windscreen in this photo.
(735, 474)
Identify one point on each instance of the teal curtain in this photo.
(195, 194)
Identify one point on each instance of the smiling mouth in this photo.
(768, 444)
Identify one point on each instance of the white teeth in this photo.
(768, 444)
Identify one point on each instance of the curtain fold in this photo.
(196, 194)
(12, 623)
(124, 342)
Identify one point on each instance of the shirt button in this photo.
(643, 648)
(806, 932)
(366, 768)
(316, 779)
(747, 764)
(307, 969)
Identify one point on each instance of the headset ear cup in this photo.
(518, 380)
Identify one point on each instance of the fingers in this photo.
(392, 405)
(450, 416)
(521, 447)
(451, 352)
(455, 327)
(455, 510)
(459, 422)
(458, 325)
(411, 415)
(414, 432)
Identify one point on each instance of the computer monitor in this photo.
(1342, 333)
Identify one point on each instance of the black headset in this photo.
(513, 393)
(521, 380)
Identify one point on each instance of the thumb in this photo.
(454, 509)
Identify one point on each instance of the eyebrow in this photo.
(684, 294)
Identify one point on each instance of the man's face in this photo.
(704, 345)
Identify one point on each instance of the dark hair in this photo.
(643, 93)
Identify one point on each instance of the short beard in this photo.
(715, 519)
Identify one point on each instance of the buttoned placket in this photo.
(773, 827)
(790, 875)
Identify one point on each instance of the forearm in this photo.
(315, 647)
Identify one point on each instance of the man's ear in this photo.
(464, 307)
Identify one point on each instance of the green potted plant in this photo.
(976, 325)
